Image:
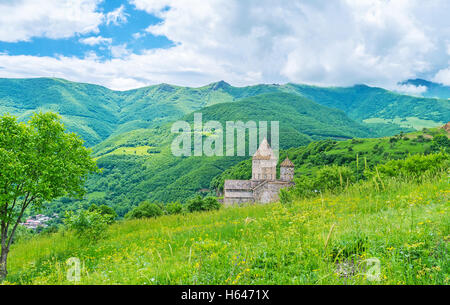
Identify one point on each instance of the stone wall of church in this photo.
(268, 192)
(287, 173)
(264, 169)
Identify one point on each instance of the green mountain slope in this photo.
(89, 110)
(379, 106)
(356, 154)
(139, 165)
(96, 112)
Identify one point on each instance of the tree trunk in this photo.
(3, 264)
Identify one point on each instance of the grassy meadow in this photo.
(322, 240)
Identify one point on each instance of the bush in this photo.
(333, 177)
(197, 204)
(440, 142)
(22, 234)
(89, 225)
(413, 167)
(145, 210)
(210, 203)
(304, 187)
(106, 211)
(286, 196)
(174, 208)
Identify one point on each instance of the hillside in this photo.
(96, 112)
(380, 108)
(139, 165)
(323, 240)
(362, 152)
(89, 110)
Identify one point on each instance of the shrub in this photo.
(413, 167)
(89, 225)
(332, 177)
(174, 208)
(145, 210)
(440, 141)
(210, 203)
(304, 187)
(197, 204)
(106, 211)
(286, 196)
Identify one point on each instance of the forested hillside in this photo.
(139, 165)
(96, 112)
(356, 154)
(130, 131)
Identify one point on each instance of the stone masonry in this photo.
(264, 186)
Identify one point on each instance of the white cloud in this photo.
(117, 17)
(120, 51)
(443, 77)
(24, 19)
(95, 40)
(411, 89)
(246, 42)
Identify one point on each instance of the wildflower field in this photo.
(327, 239)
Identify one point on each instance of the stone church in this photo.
(264, 186)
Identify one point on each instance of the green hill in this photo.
(379, 107)
(356, 154)
(89, 110)
(96, 112)
(323, 240)
(139, 165)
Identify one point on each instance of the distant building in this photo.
(37, 221)
(264, 186)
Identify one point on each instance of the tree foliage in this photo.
(38, 162)
(88, 225)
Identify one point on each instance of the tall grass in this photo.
(321, 240)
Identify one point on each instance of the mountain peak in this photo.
(220, 85)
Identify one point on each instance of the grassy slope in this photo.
(406, 226)
(308, 159)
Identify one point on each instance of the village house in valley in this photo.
(264, 185)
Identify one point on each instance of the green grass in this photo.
(406, 227)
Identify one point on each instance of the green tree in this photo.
(106, 211)
(39, 162)
(145, 209)
(173, 208)
(88, 225)
(197, 204)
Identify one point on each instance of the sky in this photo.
(126, 44)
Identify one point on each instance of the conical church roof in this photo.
(264, 151)
(287, 163)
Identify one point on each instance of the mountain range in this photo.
(97, 113)
(129, 131)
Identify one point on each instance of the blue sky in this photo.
(128, 29)
(125, 44)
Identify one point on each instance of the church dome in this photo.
(287, 163)
(264, 151)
